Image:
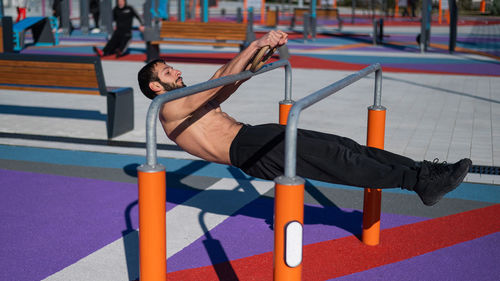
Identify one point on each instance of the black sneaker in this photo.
(436, 179)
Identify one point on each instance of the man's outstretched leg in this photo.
(259, 151)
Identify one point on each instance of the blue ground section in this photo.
(467, 191)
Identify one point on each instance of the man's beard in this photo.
(171, 86)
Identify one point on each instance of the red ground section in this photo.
(296, 61)
(335, 258)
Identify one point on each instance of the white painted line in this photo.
(185, 224)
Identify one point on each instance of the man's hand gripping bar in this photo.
(264, 54)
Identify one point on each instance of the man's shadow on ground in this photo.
(261, 207)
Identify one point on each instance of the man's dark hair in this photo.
(148, 74)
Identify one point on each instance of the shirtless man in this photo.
(198, 125)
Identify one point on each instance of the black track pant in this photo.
(118, 41)
(260, 150)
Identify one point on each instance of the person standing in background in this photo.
(95, 11)
(123, 15)
(57, 12)
(21, 6)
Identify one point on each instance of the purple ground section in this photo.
(50, 222)
(247, 233)
(476, 260)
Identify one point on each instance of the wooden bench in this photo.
(70, 75)
(218, 34)
(326, 13)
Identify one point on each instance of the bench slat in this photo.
(209, 33)
(201, 36)
(30, 76)
(55, 90)
(204, 27)
(221, 44)
(299, 12)
(50, 82)
(57, 73)
(212, 23)
(48, 65)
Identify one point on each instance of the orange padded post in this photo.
(152, 224)
(373, 197)
(440, 12)
(396, 9)
(482, 7)
(245, 7)
(288, 222)
(263, 12)
(285, 107)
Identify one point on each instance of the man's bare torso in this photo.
(207, 133)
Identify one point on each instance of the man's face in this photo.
(169, 78)
(121, 3)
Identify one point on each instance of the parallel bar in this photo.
(154, 108)
(293, 118)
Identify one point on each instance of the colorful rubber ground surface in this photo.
(57, 212)
(72, 215)
(399, 51)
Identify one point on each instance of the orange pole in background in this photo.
(396, 9)
(263, 12)
(288, 228)
(373, 197)
(285, 107)
(245, 13)
(440, 13)
(482, 7)
(152, 223)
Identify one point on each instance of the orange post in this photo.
(373, 197)
(396, 9)
(152, 223)
(285, 107)
(288, 224)
(245, 7)
(263, 12)
(482, 7)
(440, 12)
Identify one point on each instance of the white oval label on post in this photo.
(293, 244)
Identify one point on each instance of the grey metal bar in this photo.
(293, 117)
(64, 19)
(154, 108)
(288, 82)
(84, 16)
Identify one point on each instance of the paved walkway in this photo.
(432, 113)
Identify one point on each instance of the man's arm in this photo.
(181, 108)
(239, 63)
